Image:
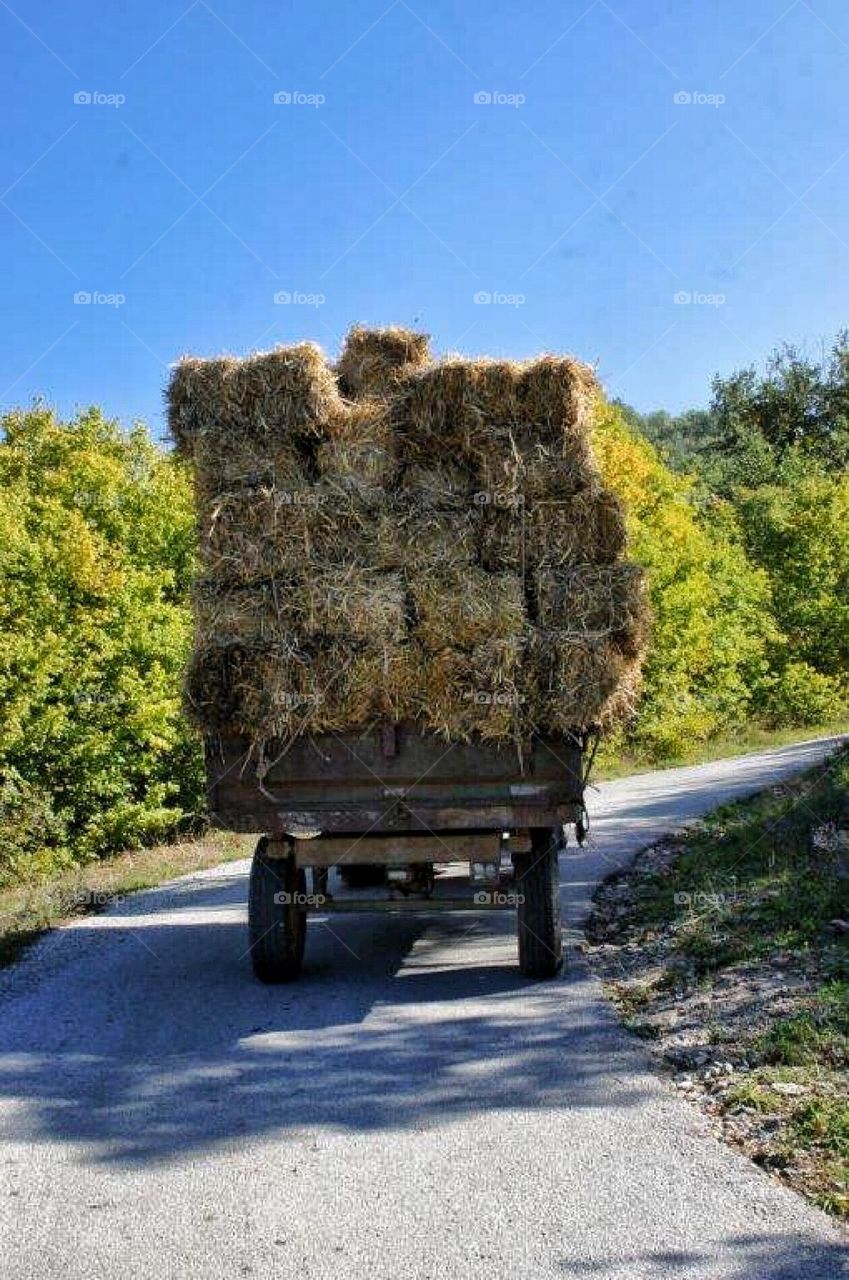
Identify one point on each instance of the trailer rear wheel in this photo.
(277, 918)
(538, 887)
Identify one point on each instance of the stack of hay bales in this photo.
(406, 540)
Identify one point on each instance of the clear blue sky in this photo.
(582, 197)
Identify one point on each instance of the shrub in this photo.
(799, 695)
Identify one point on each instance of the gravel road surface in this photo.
(413, 1108)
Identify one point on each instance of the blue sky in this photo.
(428, 156)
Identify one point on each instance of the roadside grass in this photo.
(759, 887)
(614, 762)
(29, 910)
(818, 1035)
(763, 874)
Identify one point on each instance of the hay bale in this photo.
(253, 534)
(366, 604)
(484, 408)
(243, 463)
(269, 398)
(213, 675)
(196, 402)
(595, 602)
(465, 694)
(351, 602)
(466, 606)
(228, 614)
(557, 395)
(574, 682)
(360, 448)
(441, 486)
(503, 533)
(430, 539)
(458, 408)
(587, 527)
(374, 361)
(459, 694)
(528, 473)
(266, 692)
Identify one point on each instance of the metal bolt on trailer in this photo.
(394, 811)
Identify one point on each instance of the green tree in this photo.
(797, 407)
(96, 551)
(799, 532)
(712, 608)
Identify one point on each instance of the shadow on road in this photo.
(744, 1257)
(148, 1037)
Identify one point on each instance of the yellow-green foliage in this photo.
(712, 622)
(799, 531)
(96, 536)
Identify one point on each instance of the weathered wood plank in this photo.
(386, 850)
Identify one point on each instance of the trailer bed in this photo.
(392, 781)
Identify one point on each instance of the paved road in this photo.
(413, 1109)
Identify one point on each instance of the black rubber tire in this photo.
(538, 887)
(277, 928)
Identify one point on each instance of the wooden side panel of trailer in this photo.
(393, 780)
